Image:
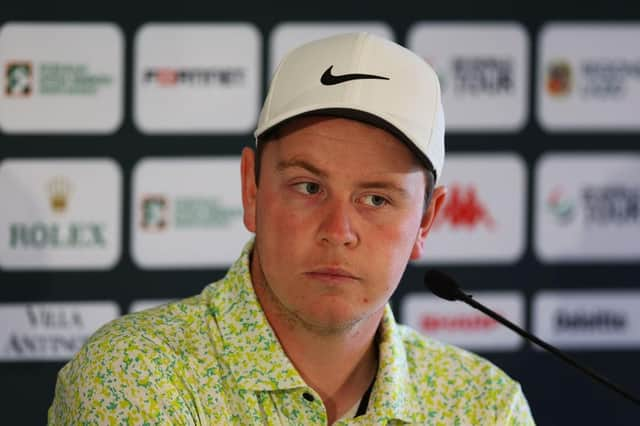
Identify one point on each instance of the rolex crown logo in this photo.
(59, 189)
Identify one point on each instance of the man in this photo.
(340, 195)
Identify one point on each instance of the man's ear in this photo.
(436, 203)
(249, 188)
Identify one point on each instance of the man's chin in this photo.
(331, 323)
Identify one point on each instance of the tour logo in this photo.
(483, 75)
(183, 204)
(60, 77)
(559, 78)
(74, 79)
(561, 206)
(464, 209)
(154, 213)
(594, 214)
(599, 205)
(54, 78)
(186, 212)
(19, 79)
(612, 205)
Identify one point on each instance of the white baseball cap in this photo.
(363, 77)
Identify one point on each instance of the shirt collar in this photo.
(248, 341)
(393, 395)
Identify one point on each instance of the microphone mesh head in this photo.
(442, 285)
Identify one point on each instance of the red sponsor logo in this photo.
(466, 322)
(464, 209)
(559, 79)
(167, 77)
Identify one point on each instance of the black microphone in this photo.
(445, 287)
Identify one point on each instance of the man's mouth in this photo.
(332, 274)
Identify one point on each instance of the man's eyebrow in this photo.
(373, 184)
(384, 185)
(286, 164)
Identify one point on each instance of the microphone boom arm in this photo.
(470, 301)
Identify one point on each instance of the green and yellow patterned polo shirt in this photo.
(213, 359)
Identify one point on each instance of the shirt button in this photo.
(308, 396)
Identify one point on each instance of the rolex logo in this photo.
(59, 189)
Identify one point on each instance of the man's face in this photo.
(337, 215)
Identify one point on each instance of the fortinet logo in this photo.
(591, 321)
(197, 78)
(464, 209)
(467, 322)
(169, 77)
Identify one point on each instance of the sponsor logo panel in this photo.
(197, 78)
(588, 319)
(461, 325)
(483, 72)
(588, 207)
(59, 214)
(589, 77)
(50, 331)
(187, 213)
(61, 78)
(289, 35)
(483, 218)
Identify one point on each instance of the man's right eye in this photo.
(307, 187)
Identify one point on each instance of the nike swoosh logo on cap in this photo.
(329, 79)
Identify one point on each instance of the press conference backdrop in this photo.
(121, 130)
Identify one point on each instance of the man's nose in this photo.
(337, 225)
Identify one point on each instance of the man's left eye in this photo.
(375, 200)
(308, 187)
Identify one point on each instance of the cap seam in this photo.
(436, 105)
(357, 88)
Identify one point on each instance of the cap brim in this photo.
(359, 115)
